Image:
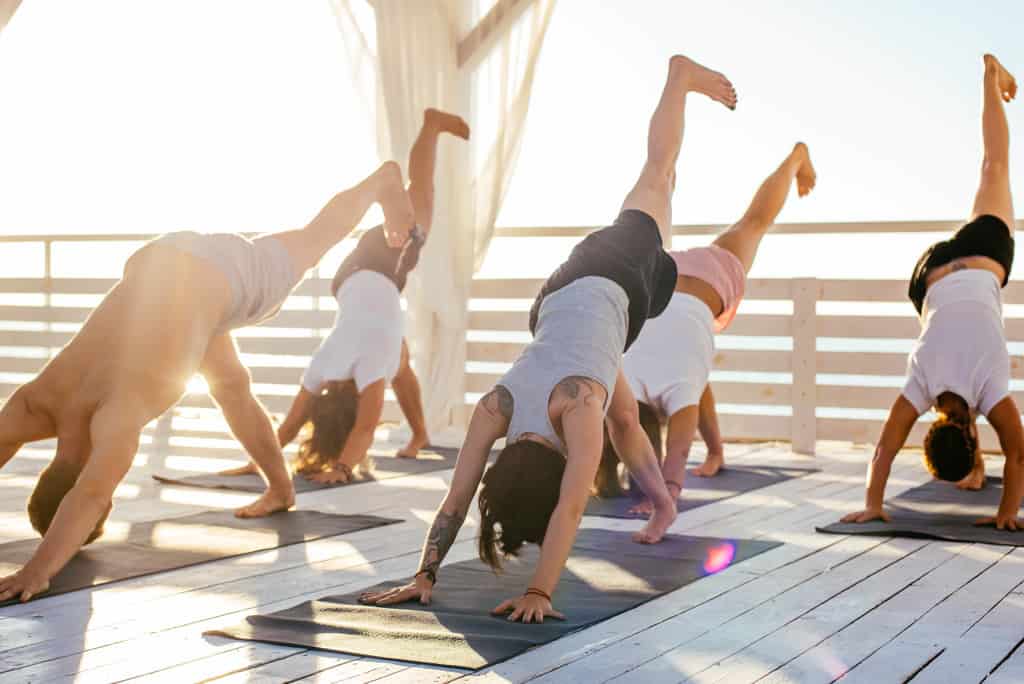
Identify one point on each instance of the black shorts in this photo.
(986, 236)
(628, 252)
(372, 253)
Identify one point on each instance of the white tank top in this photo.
(366, 342)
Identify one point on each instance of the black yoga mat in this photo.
(699, 491)
(938, 510)
(606, 574)
(385, 466)
(180, 542)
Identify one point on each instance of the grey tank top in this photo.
(581, 331)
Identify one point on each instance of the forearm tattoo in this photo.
(439, 539)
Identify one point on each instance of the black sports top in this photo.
(372, 253)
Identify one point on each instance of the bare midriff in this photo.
(703, 291)
(971, 262)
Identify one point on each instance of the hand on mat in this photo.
(528, 608)
(420, 588)
(23, 585)
(644, 508)
(1010, 523)
(867, 515)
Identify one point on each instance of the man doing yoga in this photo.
(169, 316)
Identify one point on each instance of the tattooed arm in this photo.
(489, 422)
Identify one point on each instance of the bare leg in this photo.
(423, 160)
(652, 193)
(21, 422)
(407, 390)
(707, 425)
(994, 191)
(344, 211)
(637, 453)
(744, 237)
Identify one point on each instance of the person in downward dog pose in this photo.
(169, 316)
(342, 391)
(551, 405)
(669, 366)
(960, 364)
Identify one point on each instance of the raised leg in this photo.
(22, 421)
(344, 211)
(744, 237)
(407, 390)
(652, 193)
(707, 425)
(423, 160)
(994, 190)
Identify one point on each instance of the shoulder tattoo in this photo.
(502, 398)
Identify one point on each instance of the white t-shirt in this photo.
(366, 343)
(669, 364)
(962, 347)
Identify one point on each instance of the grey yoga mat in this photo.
(385, 467)
(938, 510)
(606, 574)
(699, 491)
(179, 542)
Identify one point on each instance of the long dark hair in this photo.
(332, 416)
(54, 483)
(608, 481)
(519, 494)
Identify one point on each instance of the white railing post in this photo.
(804, 426)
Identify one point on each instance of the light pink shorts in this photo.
(719, 268)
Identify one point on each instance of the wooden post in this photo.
(805, 299)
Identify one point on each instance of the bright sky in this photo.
(124, 115)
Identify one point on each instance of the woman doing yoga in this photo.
(551, 405)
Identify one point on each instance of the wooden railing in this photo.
(810, 373)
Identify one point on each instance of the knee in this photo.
(621, 419)
(996, 169)
(658, 178)
(231, 388)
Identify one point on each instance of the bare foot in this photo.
(700, 79)
(644, 508)
(412, 449)
(806, 176)
(270, 502)
(664, 515)
(248, 469)
(711, 465)
(1004, 79)
(447, 123)
(394, 201)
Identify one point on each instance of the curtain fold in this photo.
(416, 68)
(7, 10)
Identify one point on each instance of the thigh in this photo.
(742, 239)
(994, 197)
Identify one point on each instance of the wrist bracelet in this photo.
(538, 592)
(431, 575)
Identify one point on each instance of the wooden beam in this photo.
(479, 41)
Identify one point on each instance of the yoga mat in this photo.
(938, 510)
(606, 574)
(180, 542)
(386, 466)
(699, 491)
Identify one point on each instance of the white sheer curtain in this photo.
(7, 9)
(417, 47)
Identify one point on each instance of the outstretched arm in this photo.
(489, 422)
(902, 417)
(1005, 418)
(297, 416)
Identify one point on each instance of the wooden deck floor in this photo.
(816, 609)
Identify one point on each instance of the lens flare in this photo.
(719, 557)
